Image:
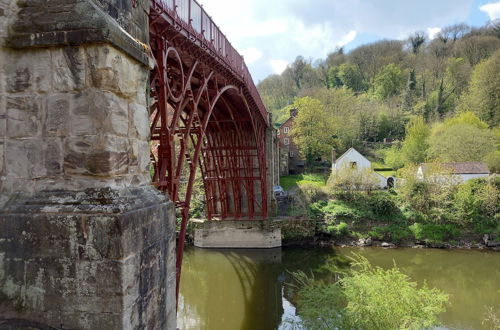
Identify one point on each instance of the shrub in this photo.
(312, 192)
(340, 230)
(368, 298)
(316, 209)
(393, 233)
(476, 201)
(433, 232)
(382, 203)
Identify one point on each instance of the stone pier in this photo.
(249, 234)
(85, 241)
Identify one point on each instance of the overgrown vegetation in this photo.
(368, 297)
(433, 210)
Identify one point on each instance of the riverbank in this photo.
(299, 232)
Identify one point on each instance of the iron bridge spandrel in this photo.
(205, 114)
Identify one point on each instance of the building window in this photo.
(285, 130)
(286, 141)
(291, 153)
(354, 165)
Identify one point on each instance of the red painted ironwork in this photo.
(205, 113)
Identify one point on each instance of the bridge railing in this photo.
(193, 17)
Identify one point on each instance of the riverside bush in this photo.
(433, 232)
(340, 230)
(368, 298)
(382, 203)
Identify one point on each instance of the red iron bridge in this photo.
(207, 118)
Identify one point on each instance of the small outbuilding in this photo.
(460, 171)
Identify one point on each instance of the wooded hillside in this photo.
(373, 92)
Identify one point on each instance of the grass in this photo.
(290, 181)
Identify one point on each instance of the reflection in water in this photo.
(246, 289)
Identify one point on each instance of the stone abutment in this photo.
(85, 241)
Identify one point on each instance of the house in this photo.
(290, 161)
(460, 172)
(355, 160)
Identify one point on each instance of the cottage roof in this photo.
(464, 167)
(347, 152)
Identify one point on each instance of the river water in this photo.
(249, 289)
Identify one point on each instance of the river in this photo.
(248, 289)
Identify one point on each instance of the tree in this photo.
(461, 138)
(351, 77)
(389, 81)
(416, 40)
(348, 180)
(483, 97)
(411, 87)
(311, 130)
(368, 298)
(415, 144)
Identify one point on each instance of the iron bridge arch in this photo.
(205, 114)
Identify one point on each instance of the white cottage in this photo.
(354, 159)
(461, 171)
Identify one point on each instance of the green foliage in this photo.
(347, 179)
(493, 161)
(476, 201)
(393, 233)
(461, 138)
(483, 97)
(351, 77)
(311, 129)
(368, 298)
(429, 195)
(394, 158)
(339, 230)
(389, 81)
(434, 233)
(415, 144)
(382, 203)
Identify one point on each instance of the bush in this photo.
(476, 201)
(340, 210)
(393, 233)
(312, 192)
(433, 233)
(340, 230)
(382, 203)
(368, 298)
(316, 209)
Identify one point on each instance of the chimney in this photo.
(293, 112)
(334, 156)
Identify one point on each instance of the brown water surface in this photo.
(246, 289)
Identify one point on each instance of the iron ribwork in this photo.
(205, 114)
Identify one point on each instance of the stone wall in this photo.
(85, 241)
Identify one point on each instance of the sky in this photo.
(270, 34)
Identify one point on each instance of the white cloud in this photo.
(347, 38)
(251, 55)
(278, 66)
(492, 9)
(433, 31)
(271, 34)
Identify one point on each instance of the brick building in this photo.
(290, 161)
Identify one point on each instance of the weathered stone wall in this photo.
(85, 241)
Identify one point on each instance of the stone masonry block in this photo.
(110, 70)
(68, 68)
(25, 74)
(24, 158)
(96, 112)
(138, 121)
(24, 115)
(58, 114)
(96, 155)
